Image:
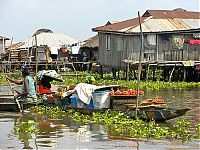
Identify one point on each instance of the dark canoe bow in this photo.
(159, 114)
(9, 104)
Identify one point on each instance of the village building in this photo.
(171, 40)
(2, 46)
(91, 45)
(52, 49)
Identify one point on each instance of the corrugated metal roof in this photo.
(92, 42)
(120, 25)
(157, 21)
(176, 13)
(160, 25)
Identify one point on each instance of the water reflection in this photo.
(181, 99)
(68, 134)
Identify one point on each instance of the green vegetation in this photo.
(117, 123)
(108, 80)
(26, 127)
(144, 85)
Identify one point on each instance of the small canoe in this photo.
(9, 104)
(146, 115)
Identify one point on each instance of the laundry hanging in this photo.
(192, 42)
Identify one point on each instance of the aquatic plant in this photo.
(182, 130)
(52, 112)
(117, 123)
(197, 131)
(144, 85)
(26, 127)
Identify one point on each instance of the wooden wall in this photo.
(128, 46)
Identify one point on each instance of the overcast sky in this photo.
(21, 18)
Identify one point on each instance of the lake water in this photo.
(67, 134)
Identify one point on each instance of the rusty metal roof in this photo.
(91, 42)
(157, 21)
(120, 25)
(176, 13)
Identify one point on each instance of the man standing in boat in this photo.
(28, 92)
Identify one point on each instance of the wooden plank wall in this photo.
(167, 51)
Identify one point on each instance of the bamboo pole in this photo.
(10, 53)
(16, 100)
(139, 66)
(36, 62)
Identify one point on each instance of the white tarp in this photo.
(50, 39)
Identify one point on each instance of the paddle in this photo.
(18, 104)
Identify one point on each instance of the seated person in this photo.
(45, 85)
(28, 92)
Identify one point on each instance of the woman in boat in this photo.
(44, 81)
(28, 92)
(45, 85)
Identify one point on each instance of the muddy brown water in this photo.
(67, 134)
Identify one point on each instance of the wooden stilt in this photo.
(170, 77)
(147, 71)
(184, 74)
(128, 69)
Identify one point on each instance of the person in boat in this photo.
(45, 85)
(44, 80)
(90, 79)
(28, 92)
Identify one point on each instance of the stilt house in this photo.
(169, 35)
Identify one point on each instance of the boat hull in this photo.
(9, 104)
(146, 115)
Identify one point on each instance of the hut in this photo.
(56, 43)
(167, 36)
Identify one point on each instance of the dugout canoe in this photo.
(158, 115)
(8, 103)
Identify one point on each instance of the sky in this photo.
(19, 19)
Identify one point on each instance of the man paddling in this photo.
(28, 92)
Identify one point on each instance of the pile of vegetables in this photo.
(126, 92)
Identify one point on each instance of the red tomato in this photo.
(125, 93)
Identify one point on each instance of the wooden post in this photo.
(128, 69)
(157, 47)
(9, 54)
(36, 62)
(184, 74)
(139, 67)
(147, 71)
(170, 76)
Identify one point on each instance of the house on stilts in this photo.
(171, 44)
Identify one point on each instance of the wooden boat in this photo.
(7, 103)
(145, 112)
(146, 115)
